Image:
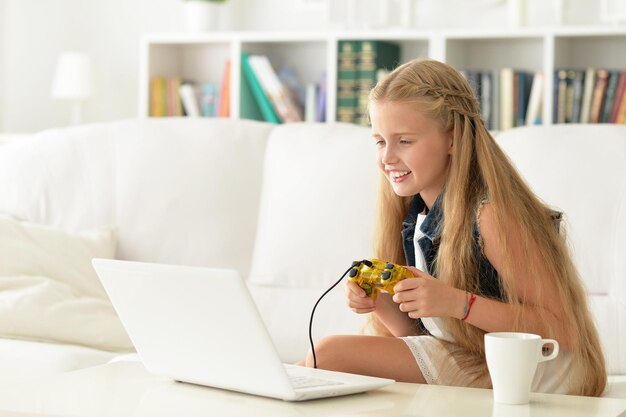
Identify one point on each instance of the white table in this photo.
(126, 389)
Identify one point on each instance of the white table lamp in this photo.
(73, 80)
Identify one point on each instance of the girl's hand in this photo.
(425, 296)
(357, 299)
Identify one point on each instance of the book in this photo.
(561, 91)
(209, 100)
(372, 56)
(569, 96)
(609, 98)
(296, 89)
(577, 95)
(347, 81)
(224, 99)
(248, 106)
(535, 99)
(589, 84)
(621, 112)
(495, 110)
(486, 98)
(158, 97)
(515, 96)
(619, 95)
(255, 104)
(524, 81)
(278, 95)
(483, 85)
(174, 105)
(165, 97)
(189, 97)
(506, 98)
(320, 114)
(310, 103)
(599, 92)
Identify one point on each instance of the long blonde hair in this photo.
(479, 168)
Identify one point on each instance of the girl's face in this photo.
(412, 151)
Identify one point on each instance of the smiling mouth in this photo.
(398, 176)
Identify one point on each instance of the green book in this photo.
(254, 103)
(610, 96)
(373, 58)
(347, 81)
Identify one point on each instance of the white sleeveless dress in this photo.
(431, 354)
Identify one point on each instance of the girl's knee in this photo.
(330, 352)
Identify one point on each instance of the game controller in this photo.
(374, 275)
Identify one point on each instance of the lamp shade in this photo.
(73, 77)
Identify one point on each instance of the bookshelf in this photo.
(201, 57)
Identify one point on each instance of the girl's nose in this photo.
(389, 156)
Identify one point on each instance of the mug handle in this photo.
(555, 350)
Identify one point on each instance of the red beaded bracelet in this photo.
(468, 306)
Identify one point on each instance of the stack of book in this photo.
(164, 97)
(508, 97)
(360, 65)
(172, 96)
(265, 96)
(589, 96)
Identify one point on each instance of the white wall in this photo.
(34, 32)
(2, 48)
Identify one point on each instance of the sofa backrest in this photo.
(316, 216)
(581, 171)
(188, 191)
(317, 204)
(181, 191)
(195, 192)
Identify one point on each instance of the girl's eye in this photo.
(404, 141)
(380, 142)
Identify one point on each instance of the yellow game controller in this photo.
(374, 275)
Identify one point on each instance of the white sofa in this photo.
(289, 207)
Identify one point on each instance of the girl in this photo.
(486, 253)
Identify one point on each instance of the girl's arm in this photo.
(398, 323)
(531, 278)
(426, 296)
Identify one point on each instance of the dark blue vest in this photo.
(489, 281)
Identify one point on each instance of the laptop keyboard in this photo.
(300, 381)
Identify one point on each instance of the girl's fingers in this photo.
(362, 303)
(355, 301)
(409, 306)
(416, 272)
(355, 289)
(407, 284)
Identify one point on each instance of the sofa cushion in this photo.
(317, 205)
(65, 176)
(580, 170)
(286, 312)
(48, 290)
(188, 190)
(587, 183)
(22, 360)
(180, 190)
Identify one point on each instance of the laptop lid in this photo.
(197, 325)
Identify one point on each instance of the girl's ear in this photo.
(450, 143)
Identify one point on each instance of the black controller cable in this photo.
(356, 263)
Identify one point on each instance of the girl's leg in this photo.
(384, 357)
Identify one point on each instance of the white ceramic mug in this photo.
(512, 360)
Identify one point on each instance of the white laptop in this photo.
(200, 325)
